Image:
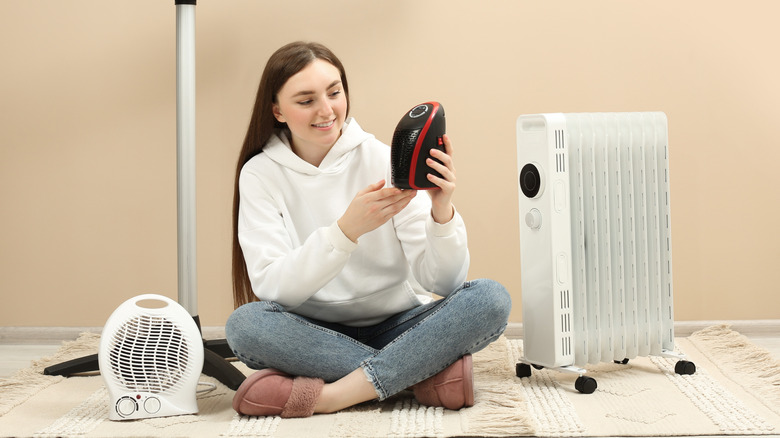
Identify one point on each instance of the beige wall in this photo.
(87, 131)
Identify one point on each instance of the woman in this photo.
(343, 264)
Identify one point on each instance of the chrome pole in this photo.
(185, 155)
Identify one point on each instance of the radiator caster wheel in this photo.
(585, 384)
(523, 370)
(538, 367)
(684, 367)
(621, 362)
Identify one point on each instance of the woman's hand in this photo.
(372, 207)
(442, 210)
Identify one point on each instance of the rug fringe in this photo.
(27, 382)
(735, 354)
(498, 410)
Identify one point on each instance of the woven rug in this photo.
(735, 391)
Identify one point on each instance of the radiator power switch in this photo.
(561, 268)
(559, 196)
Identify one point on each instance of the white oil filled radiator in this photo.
(595, 241)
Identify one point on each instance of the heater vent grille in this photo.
(559, 135)
(560, 156)
(404, 141)
(566, 345)
(565, 300)
(566, 326)
(560, 163)
(149, 353)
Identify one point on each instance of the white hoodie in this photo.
(297, 255)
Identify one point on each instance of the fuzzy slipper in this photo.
(452, 388)
(270, 392)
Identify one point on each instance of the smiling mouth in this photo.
(324, 124)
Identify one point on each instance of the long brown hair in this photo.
(284, 63)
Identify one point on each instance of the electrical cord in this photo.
(210, 387)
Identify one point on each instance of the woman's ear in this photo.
(277, 113)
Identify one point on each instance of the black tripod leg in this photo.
(219, 346)
(216, 366)
(74, 366)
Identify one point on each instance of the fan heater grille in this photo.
(150, 354)
(405, 138)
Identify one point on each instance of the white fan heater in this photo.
(595, 239)
(150, 357)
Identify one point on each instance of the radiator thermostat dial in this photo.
(533, 219)
(531, 181)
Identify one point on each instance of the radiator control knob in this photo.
(533, 219)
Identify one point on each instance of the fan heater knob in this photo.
(152, 405)
(126, 406)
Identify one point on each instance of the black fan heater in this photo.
(420, 130)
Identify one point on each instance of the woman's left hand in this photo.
(442, 210)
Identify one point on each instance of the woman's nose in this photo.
(324, 108)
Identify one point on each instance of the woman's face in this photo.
(313, 104)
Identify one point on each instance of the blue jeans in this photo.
(405, 349)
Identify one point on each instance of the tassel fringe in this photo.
(498, 410)
(753, 367)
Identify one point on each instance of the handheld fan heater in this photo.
(420, 130)
(151, 356)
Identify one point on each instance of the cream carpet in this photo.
(735, 391)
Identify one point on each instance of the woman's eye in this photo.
(335, 93)
(305, 102)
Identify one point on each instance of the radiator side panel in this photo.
(546, 244)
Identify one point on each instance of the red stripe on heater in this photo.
(418, 145)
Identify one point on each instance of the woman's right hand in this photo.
(372, 207)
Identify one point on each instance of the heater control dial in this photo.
(533, 219)
(152, 405)
(531, 180)
(418, 111)
(126, 406)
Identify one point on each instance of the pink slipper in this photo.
(270, 392)
(452, 388)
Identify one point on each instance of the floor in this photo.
(17, 351)
(15, 357)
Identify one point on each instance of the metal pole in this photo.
(215, 351)
(185, 155)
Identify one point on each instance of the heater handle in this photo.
(151, 297)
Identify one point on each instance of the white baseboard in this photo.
(55, 335)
